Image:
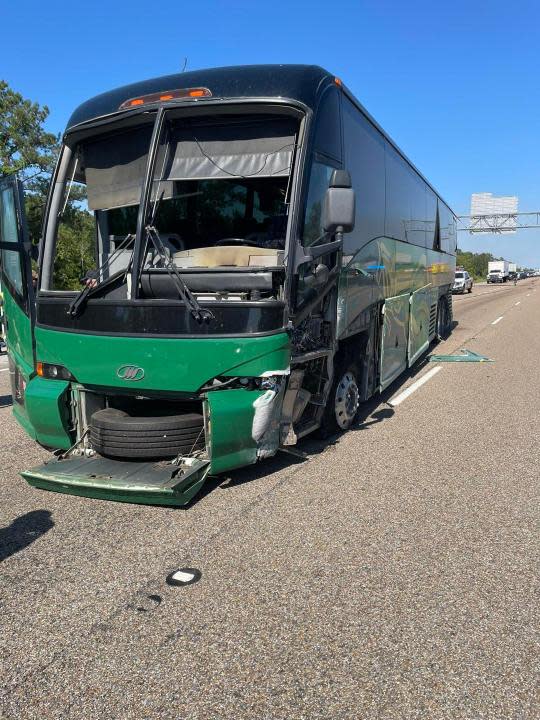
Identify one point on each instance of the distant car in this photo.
(463, 282)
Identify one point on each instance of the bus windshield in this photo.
(218, 197)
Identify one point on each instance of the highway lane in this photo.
(389, 576)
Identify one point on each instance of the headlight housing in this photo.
(50, 371)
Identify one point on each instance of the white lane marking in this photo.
(4, 370)
(409, 391)
(497, 320)
(528, 294)
(519, 302)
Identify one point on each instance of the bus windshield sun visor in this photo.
(115, 166)
(251, 149)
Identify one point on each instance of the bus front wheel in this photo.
(343, 401)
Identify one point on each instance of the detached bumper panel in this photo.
(147, 483)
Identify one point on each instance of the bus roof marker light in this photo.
(165, 96)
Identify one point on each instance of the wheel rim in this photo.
(347, 400)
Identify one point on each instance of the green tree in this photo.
(25, 146)
(74, 249)
(476, 264)
(30, 151)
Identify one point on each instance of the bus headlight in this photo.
(53, 372)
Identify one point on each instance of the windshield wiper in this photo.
(78, 302)
(199, 313)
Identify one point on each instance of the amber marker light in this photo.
(338, 81)
(39, 368)
(166, 96)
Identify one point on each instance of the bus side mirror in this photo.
(339, 204)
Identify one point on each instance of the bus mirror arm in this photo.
(309, 254)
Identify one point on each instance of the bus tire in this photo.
(344, 399)
(443, 319)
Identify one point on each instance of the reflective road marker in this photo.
(183, 576)
(518, 302)
(497, 320)
(409, 391)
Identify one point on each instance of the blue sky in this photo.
(456, 84)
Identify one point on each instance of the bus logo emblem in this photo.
(130, 372)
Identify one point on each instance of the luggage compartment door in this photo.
(420, 307)
(394, 338)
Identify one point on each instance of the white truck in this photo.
(498, 271)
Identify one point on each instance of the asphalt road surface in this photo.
(393, 574)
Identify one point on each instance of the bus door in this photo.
(16, 276)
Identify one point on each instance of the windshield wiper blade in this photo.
(80, 299)
(199, 313)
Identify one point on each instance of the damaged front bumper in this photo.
(134, 482)
(241, 427)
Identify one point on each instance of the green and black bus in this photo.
(258, 259)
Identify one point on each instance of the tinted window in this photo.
(447, 229)
(432, 229)
(9, 233)
(364, 159)
(318, 185)
(406, 202)
(328, 126)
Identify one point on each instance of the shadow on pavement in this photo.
(23, 531)
(5, 401)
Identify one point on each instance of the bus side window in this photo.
(364, 159)
(326, 144)
(10, 260)
(318, 185)
(327, 138)
(406, 216)
(447, 229)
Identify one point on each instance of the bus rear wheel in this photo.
(443, 319)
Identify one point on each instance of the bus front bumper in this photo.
(149, 483)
